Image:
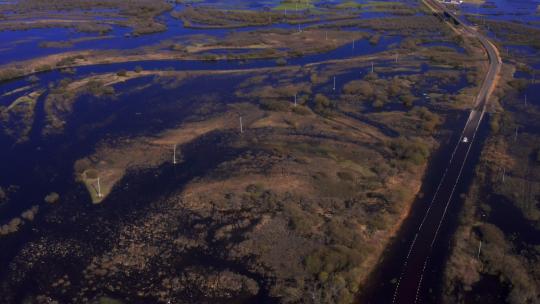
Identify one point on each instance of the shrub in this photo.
(52, 198)
(518, 83)
(91, 174)
(409, 150)
(209, 57)
(360, 87)
(378, 103)
(345, 176)
(322, 102)
(374, 40)
(44, 67)
(97, 88)
(300, 110)
(177, 47)
(407, 99)
(495, 123)
(122, 73)
(33, 78)
(281, 61)
(67, 61)
(254, 188)
(313, 263)
(274, 105)
(430, 120)
(81, 165)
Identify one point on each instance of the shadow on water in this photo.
(45, 164)
(148, 190)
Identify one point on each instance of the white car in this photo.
(465, 139)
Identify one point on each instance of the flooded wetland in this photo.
(276, 151)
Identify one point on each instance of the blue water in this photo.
(362, 47)
(23, 45)
(523, 11)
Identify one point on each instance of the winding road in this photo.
(417, 261)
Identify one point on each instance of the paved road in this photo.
(409, 286)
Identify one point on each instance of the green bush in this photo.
(410, 150)
(359, 87)
(322, 102)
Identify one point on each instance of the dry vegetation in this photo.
(204, 17)
(300, 205)
(85, 16)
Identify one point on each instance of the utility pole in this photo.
(334, 83)
(295, 100)
(99, 189)
(326, 35)
(174, 155)
(241, 125)
(479, 250)
(372, 67)
(353, 43)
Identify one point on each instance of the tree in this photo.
(322, 103)
(494, 123)
(407, 99)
